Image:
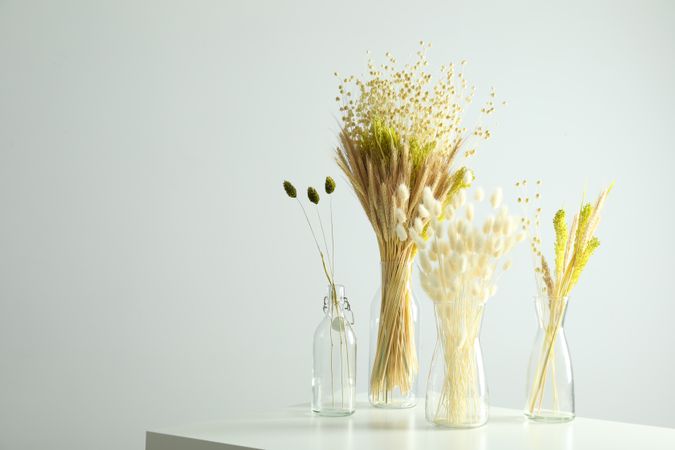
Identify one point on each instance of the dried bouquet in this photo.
(460, 263)
(341, 360)
(399, 128)
(574, 245)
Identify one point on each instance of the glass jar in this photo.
(394, 339)
(334, 369)
(457, 394)
(550, 383)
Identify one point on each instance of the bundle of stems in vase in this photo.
(573, 247)
(399, 128)
(460, 263)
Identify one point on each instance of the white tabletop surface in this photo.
(297, 428)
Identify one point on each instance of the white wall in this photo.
(153, 273)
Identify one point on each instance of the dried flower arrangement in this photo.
(573, 247)
(400, 128)
(460, 262)
(327, 255)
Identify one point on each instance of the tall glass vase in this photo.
(550, 383)
(457, 394)
(334, 371)
(394, 339)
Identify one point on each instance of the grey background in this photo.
(153, 273)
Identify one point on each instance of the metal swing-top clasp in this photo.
(347, 308)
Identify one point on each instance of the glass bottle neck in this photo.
(462, 308)
(551, 311)
(459, 316)
(334, 301)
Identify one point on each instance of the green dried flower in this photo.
(312, 195)
(560, 227)
(592, 245)
(330, 185)
(290, 189)
(584, 217)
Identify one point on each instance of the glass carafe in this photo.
(457, 394)
(550, 383)
(334, 370)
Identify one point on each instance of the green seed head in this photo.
(559, 219)
(312, 195)
(330, 185)
(290, 189)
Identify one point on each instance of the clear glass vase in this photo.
(550, 383)
(334, 370)
(457, 394)
(394, 339)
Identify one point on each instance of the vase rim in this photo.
(476, 304)
(546, 297)
(339, 291)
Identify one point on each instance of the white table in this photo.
(295, 428)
